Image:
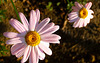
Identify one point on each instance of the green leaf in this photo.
(6, 50)
(51, 8)
(58, 3)
(3, 11)
(0, 2)
(50, 3)
(3, 53)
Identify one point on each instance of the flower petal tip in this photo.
(32, 11)
(37, 10)
(76, 3)
(48, 19)
(50, 53)
(4, 33)
(20, 13)
(90, 3)
(58, 27)
(7, 42)
(58, 42)
(59, 37)
(11, 20)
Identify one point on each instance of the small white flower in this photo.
(33, 38)
(81, 15)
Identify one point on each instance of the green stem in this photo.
(15, 10)
(68, 1)
(0, 2)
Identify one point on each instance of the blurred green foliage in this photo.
(2, 1)
(2, 15)
(49, 6)
(2, 49)
(71, 3)
(58, 3)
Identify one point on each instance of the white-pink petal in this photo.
(26, 54)
(16, 40)
(85, 22)
(88, 20)
(33, 20)
(76, 23)
(38, 16)
(52, 30)
(47, 50)
(88, 5)
(42, 24)
(46, 28)
(41, 53)
(17, 48)
(45, 43)
(11, 34)
(72, 13)
(74, 20)
(79, 6)
(24, 21)
(75, 9)
(73, 17)
(20, 53)
(34, 55)
(91, 16)
(90, 11)
(17, 25)
(81, 24)
(50, 37)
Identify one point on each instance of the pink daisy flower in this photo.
(81, 15)
(33, 38)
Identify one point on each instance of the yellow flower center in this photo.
(32, 38)
(83, 13)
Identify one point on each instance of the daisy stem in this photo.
(15, 10)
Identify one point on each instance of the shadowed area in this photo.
(77, 45)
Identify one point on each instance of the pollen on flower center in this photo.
(83, 13)
(32, 38)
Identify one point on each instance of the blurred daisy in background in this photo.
(81, 15)
(33, 38)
